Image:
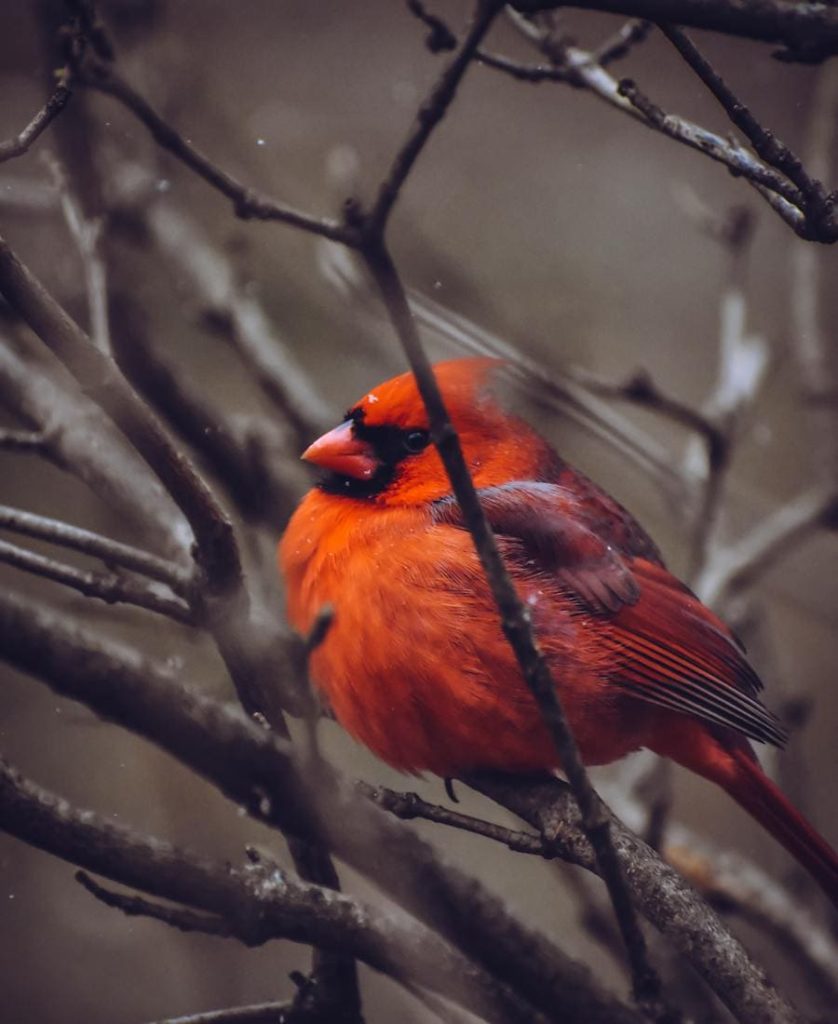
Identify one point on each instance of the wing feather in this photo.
(669, 649)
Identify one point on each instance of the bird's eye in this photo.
(416, 440)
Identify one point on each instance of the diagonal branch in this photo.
(430, 114)
(817, 205)
(99, 376)
(517, 628)
(18, 145)
(248, 204)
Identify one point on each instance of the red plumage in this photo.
(415, 665)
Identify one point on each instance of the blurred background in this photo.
(538, 213)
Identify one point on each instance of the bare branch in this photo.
(23, 441)
(259, 1013)
(87, 235)
(733, 156)
(517, 628)
(736, 566)
(79, 438)
(641, 390)
(238, 315)
(808, 31)
(249, 455)
(257, 771)
(181, 918)
(430, 114)
(666, 899)
(820, 221)
(247, 203)
(18, 145)
(97, 373)
(408, 806)
(577, 67)
(258, 906)
(107, 587)
(632, 34)
(111, 552)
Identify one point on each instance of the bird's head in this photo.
(383, 451)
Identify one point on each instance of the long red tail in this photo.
(752, 788)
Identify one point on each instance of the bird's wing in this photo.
(548, 521)
(670, 649)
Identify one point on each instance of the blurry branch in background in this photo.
(40, 122)
(80, 439)
(87, 235)
(467, 947)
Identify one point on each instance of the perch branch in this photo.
(258, 906)
(256, 770)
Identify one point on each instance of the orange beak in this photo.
(342, 453)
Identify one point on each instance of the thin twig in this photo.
(734, 567)
(817, 206)
(87, 235)
(247, 203)
(622, 42)
(408, 806)
(641, 390)
(23, 441)
(735, 157)
(18, 145)
(181, 918)
(430, 114)
(108, 587)
(111, 552)
(258, 1013)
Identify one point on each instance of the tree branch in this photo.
(817, 206)
(430, 114)
(111, 552)
(248, 204)
(256, 770)
(258, 906)
(517, 628)
(99, 376)
(107, 587)
(18, 145)
(23, 441)
(807, 31)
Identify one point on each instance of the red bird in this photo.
(415, 665)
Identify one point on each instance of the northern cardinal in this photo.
(415, 665)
